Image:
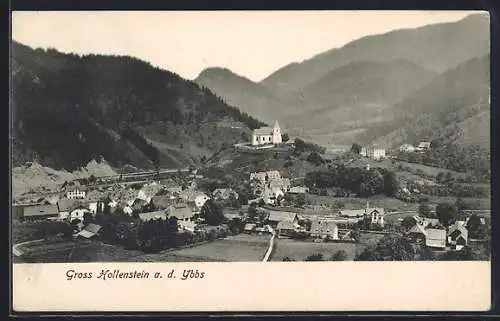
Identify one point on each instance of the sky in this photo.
(250, 43)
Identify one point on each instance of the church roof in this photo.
(263, 131)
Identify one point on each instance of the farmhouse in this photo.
(457, 236)
(278, 216)
(162, 202)
(78, 211)
(286, 228)
(181, 211)
(407, 148)
(423, 146)
(324, 228)
(435, 238)
(267, 135)
(373, 152)
(64, 206)
(75, 191)
(40, 212)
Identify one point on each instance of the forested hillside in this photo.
(70, 109)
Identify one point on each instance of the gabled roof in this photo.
(263, 131)
(458, 227)
(419, 229)
(153, 216)
(377, 209)
(180, 211)
(352, 213)
(41, 210)
(94, 228)
(66, 204)
(435, 238)
(278, 216)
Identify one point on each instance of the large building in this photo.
(267, 135)
(373, 152)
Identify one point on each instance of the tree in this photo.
(424, 209)
(391, 184)
(92, 179)
(300, 200)
(87, 218)
(356, 148)
(408, 222)
(287, 259)
(476, 229)
(340, 255)
(446, 213)
(285, 137)
(212, 213)
(315, 159)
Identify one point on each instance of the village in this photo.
(267, 216)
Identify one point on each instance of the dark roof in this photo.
(41, 210)
(94, 228)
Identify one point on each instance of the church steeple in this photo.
(276, 125)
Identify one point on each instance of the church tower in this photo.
(276, 133)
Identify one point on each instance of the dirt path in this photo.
(17, 251)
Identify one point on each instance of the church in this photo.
(267, 135)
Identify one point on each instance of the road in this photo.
(17, 251)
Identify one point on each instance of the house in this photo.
(162, 202)
(76, 191)
(174, 190)
(153, 216)
(139, 204)
(407, 148)
(298, 190)
(187, 225)
(94, 205)
(224, 193)
(457, 236)
(324, 228)
(201, 199)
(423, 146)
(89, 231)
(373, 152)
(352, 213)
(78, 212)
(278, 216)
(264, 177)
(286, 228)
(180, 211)
(417, 233)
(249, 228)
(376, 215)
(64, 206)
(40, 212)
(267, 135)
(435, 238)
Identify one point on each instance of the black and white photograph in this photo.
(258, 136)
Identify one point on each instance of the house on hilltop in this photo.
(423, 146)
(267, 135)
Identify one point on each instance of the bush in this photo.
(315, 257)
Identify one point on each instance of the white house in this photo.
(76, 191)
(423, 146)
(407, 148)
(201, 199)
(93, 207)
(373, 153)
(267, 135)
(78, 212)
(263, 177)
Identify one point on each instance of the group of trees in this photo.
(357, 180)
(301, 146)
(138, 141)
(340, 255)
(471, 158)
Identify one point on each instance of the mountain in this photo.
(453, 107)
(70, 109)
(357, 94)
(436, 47)
(250, 97)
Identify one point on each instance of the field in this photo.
(300, 250)
(385, 202)
(234, 248)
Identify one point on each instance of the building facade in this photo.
(267, 135)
